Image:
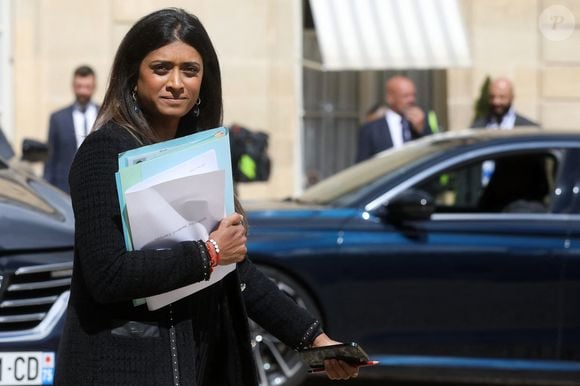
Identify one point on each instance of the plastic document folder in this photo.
(174, 191)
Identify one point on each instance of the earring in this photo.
(196, 109)
(134, 97)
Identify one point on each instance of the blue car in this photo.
(455, 258)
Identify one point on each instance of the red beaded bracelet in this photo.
(214, 252)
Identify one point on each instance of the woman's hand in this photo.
(335, 369)
(230, 235)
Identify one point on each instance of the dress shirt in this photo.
(84, 121)
(507, 121)
(395, 127)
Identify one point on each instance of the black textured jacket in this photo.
(108, 341)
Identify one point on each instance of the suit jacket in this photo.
(481, 123)
(375, 137)
(63, 144)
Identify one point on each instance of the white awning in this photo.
(390, 34)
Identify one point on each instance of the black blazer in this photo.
(375, 136)
(63, 145)
(481, 123)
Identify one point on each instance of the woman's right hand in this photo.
(230, 235)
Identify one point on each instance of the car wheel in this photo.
(278, 364)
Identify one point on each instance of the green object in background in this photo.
(432, 121)
(481, 106)
(247, 166)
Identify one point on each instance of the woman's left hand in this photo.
(335, 369)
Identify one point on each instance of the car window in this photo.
(344, 187)
(520, 183)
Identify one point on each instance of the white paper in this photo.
(179, 204)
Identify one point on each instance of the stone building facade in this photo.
(260, 45)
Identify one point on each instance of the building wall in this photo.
(559, 79)
(506, 40)
(258, 44)
(5, 67)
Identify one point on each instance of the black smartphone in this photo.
(350, 353)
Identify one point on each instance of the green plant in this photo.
(481, 105)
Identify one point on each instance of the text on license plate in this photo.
(26, 368)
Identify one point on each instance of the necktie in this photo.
(83, 110)
(406, 127)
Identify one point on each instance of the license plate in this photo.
(26, 368)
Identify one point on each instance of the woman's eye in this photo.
(160, 70)
(190, 71)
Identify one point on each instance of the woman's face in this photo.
(169, 83)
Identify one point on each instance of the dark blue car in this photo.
(456, 257)
(36, 250)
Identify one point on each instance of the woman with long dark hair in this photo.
(165, 83)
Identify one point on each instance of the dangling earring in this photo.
(196, 109)
(134, 97)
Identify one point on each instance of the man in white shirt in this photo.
(69, 126)
(501, 114)
(402, 122)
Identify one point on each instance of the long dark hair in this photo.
(148, 34)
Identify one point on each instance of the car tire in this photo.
(278, 364)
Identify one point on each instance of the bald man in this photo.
(403, 120)
(501, 114)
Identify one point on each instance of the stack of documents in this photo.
(174, 191)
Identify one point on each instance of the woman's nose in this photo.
(174, 83)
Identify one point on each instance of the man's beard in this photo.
(498, 115)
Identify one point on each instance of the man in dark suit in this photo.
(501, 114)
(69, 126)
(402, 122)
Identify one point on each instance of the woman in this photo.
(165, 82)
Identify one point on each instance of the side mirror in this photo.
(34, 151)
(410, 205)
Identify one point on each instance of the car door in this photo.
(570, 335)
(471, 282)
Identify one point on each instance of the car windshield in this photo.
(340, 188)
